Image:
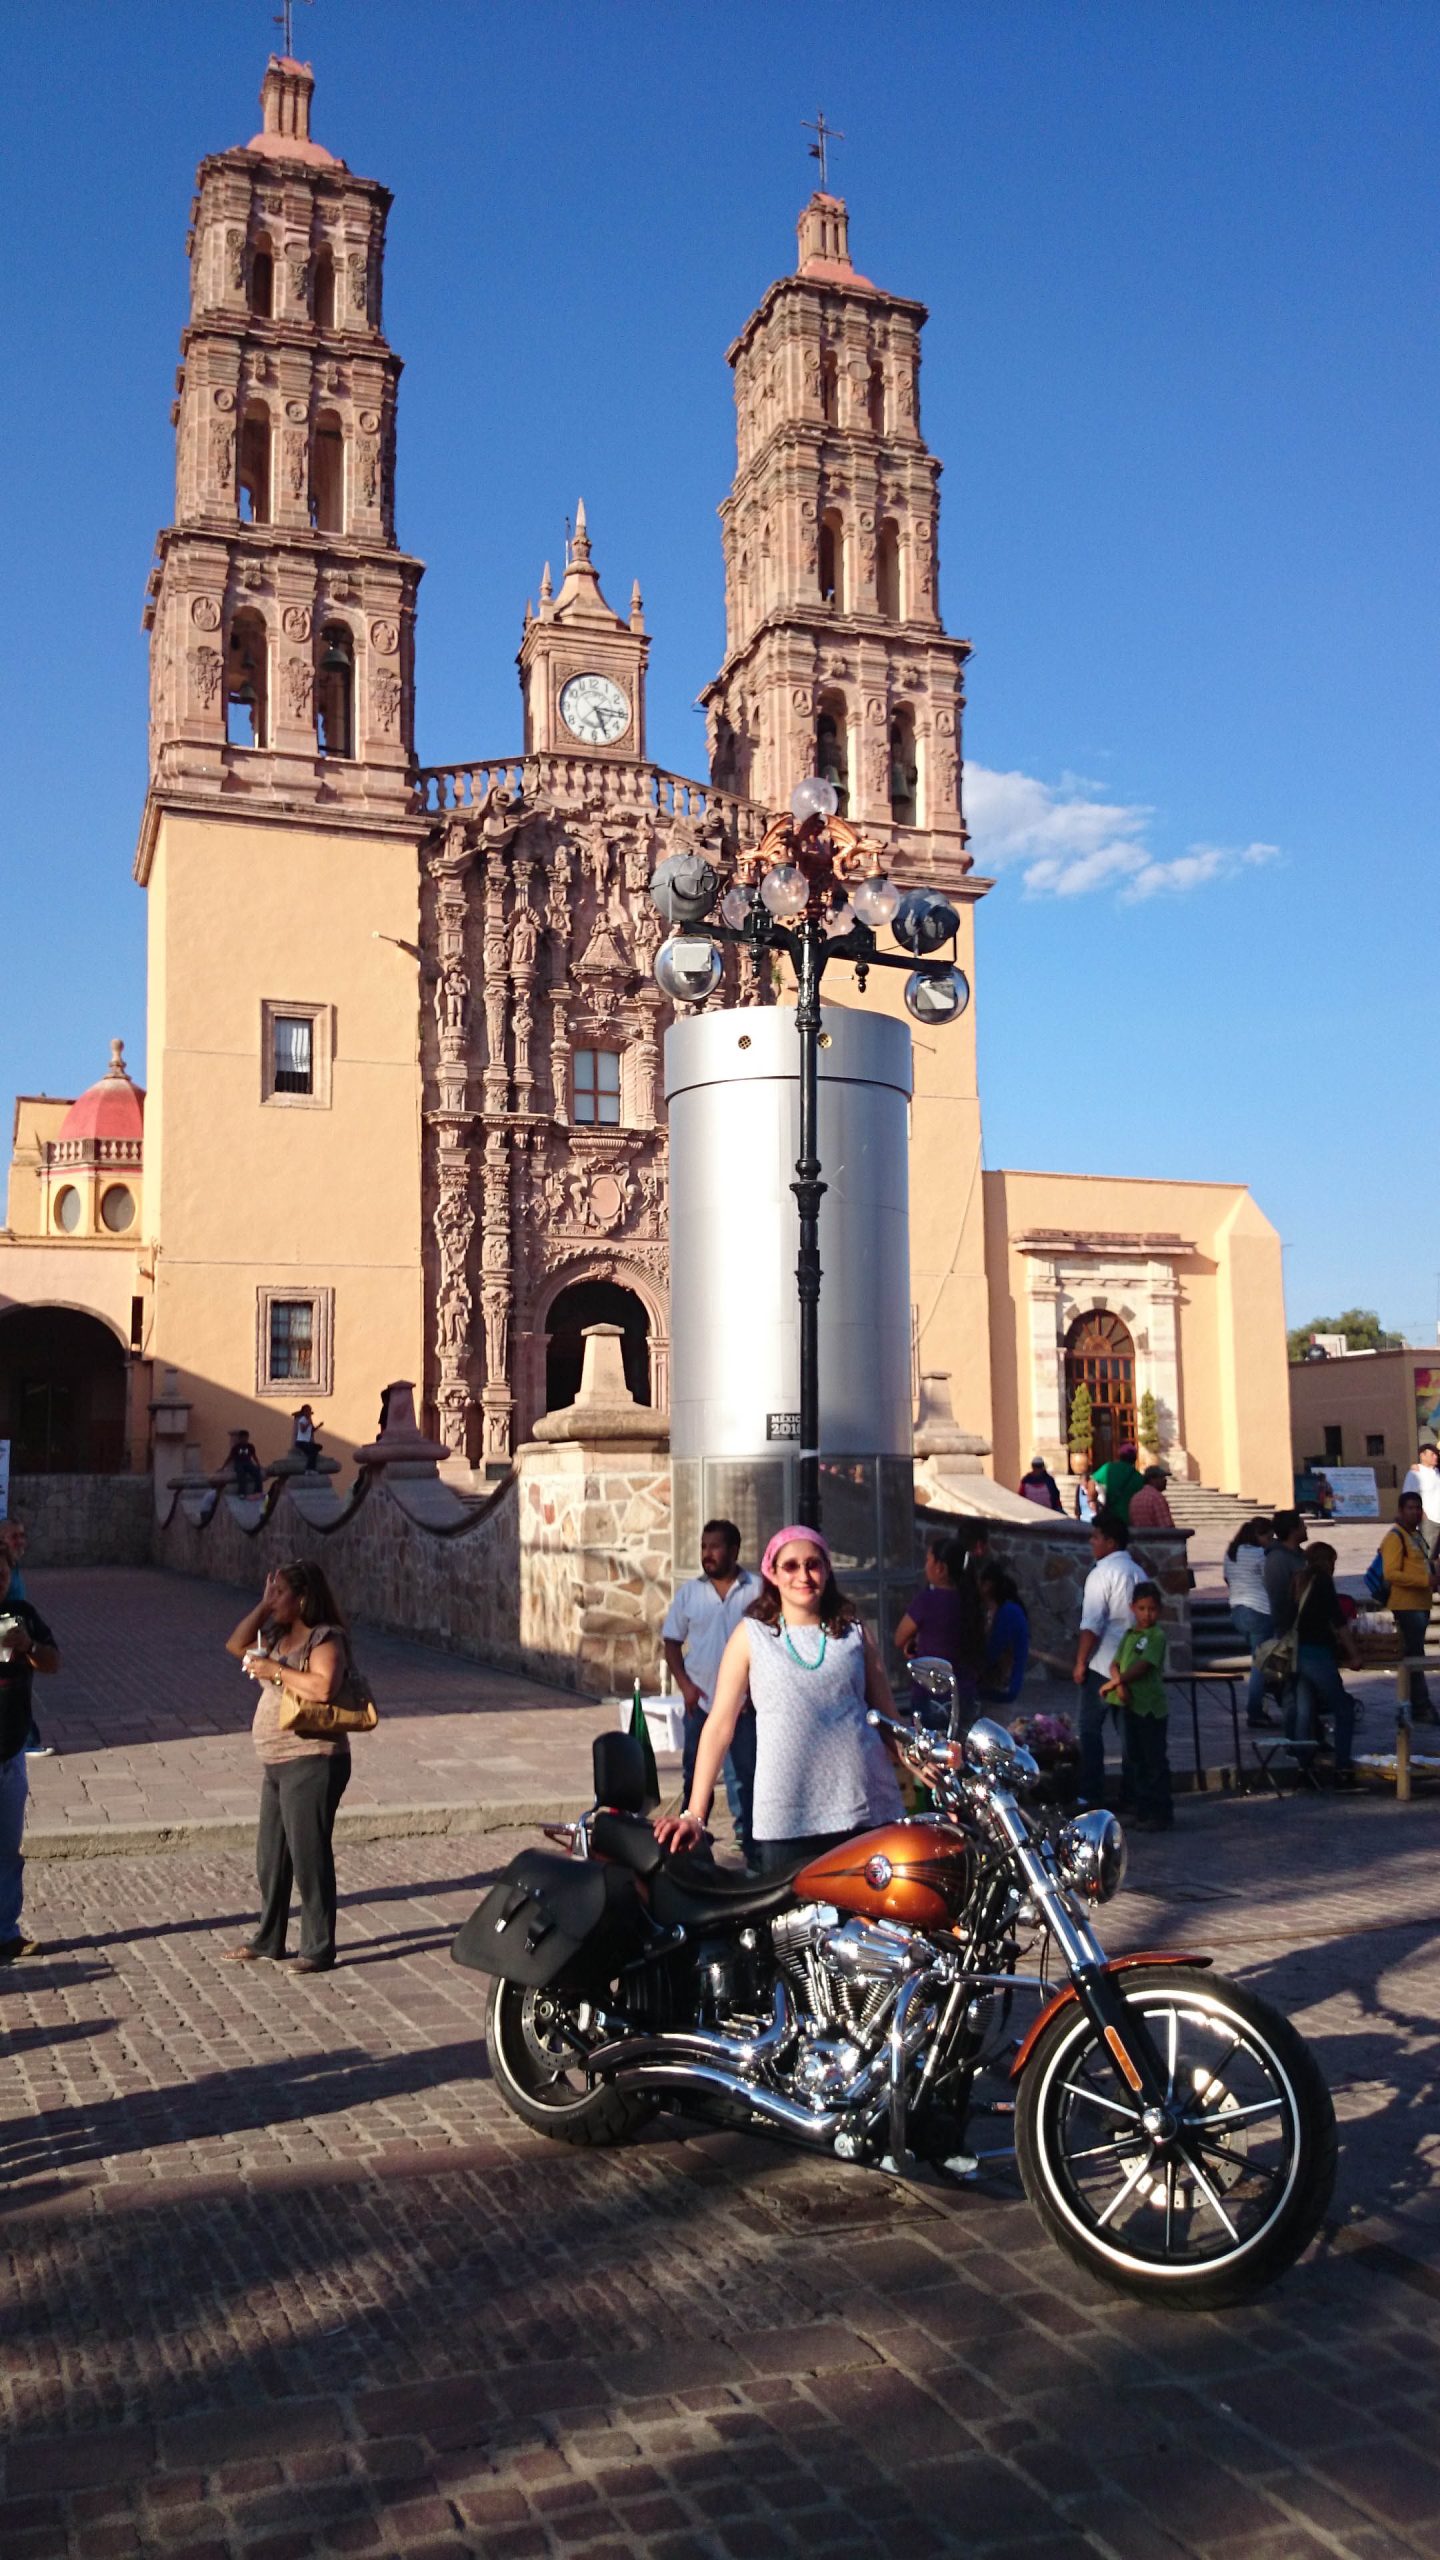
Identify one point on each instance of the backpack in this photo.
(1377, 1581)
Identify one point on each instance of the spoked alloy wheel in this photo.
(536, 2054)
(1205, 2199)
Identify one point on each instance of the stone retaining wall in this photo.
(84, 1519)
(460, 1591)
(1050, 1565)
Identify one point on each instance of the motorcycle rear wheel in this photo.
(1211, 2216)
(538, 2074)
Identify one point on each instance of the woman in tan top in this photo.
(294, 1640)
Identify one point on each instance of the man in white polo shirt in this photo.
(1105, 1616)
(702, 1618)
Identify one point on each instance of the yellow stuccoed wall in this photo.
(1234, 1387)
(242, 1193)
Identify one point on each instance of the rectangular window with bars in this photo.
(597, 1088)
(292, 1338)
(293, 1065)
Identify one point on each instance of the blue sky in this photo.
(1181, 368)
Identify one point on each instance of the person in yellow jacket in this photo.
(1406, 1565)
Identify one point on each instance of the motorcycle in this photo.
(1173, 2132)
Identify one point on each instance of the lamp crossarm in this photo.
(858, 945)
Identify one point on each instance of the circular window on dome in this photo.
(67, 1209)
(117, 1209)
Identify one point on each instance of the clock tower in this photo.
(582, 670)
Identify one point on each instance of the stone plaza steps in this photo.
(1203, 1506)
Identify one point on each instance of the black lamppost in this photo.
(813, 889)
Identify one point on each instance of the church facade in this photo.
(403, 1115)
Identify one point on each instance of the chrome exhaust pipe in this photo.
(707, 2081)
(726, 2053)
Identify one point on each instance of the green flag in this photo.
(641, 1731)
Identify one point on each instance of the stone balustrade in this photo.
(577, 780)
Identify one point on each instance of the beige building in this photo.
(1365, 1409)
(403, 1114)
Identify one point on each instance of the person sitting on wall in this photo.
(305, 1443)
(245, 1465)
(1038, 1485)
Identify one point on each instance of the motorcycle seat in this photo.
(688, 1891)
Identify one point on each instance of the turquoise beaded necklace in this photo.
(799, 1658)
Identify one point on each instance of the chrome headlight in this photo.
(991, 1752)
(1092, 1855)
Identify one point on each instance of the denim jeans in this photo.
(14, 1789)
(1257, 1627)
(1412, 1624)
(739, 1773)
(1320, 1691)
(1093, 1712)
(1148, 1760)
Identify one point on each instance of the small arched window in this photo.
(829, 387)
(246, 682)
(325, 290)
(832, 559)
(887, 571)
(875, 399)
(335, 691)
(327, 474)
(253, 476)
(832, 750)
(904, 769)
(262, 280)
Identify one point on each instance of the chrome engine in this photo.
(843, 1978)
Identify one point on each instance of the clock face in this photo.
(594, 709)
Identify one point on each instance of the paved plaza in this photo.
(283, 2279)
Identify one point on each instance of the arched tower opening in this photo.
(588, 1302)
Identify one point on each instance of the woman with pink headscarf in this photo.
(811, 1671)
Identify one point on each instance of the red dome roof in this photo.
(113, 1108)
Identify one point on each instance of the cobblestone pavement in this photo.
(149, 1720)
(284, 2280)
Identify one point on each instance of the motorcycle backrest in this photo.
(619, 1765)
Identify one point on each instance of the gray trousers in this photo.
(298, 1804)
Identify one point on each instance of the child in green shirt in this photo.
(1138, 1685)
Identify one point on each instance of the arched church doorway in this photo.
(595, 1302)
(62, 1393)
(1100, 1355)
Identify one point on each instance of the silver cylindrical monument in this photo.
(732, 1089)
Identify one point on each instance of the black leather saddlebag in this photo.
(550, 1916)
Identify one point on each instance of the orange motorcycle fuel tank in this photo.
(918, 1872)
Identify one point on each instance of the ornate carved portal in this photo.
(538, 943)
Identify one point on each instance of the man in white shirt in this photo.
(1424, 1479)
(1105, 1616)
(700, 1621)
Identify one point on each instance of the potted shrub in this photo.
(1081, 1427)
(1148, 1432)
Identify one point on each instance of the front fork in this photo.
(1121, 2030)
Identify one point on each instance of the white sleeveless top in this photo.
(818, 1765)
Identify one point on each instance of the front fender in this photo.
(1116, 1964)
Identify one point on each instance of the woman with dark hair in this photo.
(944, 1619)
(1322, 1641)
(1244, 1570)
(811, 1671)
(1007, 1636)
(294, 1641)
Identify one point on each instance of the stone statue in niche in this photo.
(495, 1306)
(299, 688)
(295, 462)
(524, 940)
(385, 697)
(204, 667)
(452, 1317)
(222, 456)
(452, 1001)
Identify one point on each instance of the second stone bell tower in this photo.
(281, 610)
(835, 658)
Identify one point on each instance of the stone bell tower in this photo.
(281, 610)
(582, 670)
(835, 659)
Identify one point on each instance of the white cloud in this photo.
(1064, 841)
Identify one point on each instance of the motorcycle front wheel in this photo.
(1216, 2198)
(536, 2063)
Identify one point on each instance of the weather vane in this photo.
(824, 134)
(285, 21)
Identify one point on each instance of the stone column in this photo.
(1049, 1421)
(1159, 1369)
